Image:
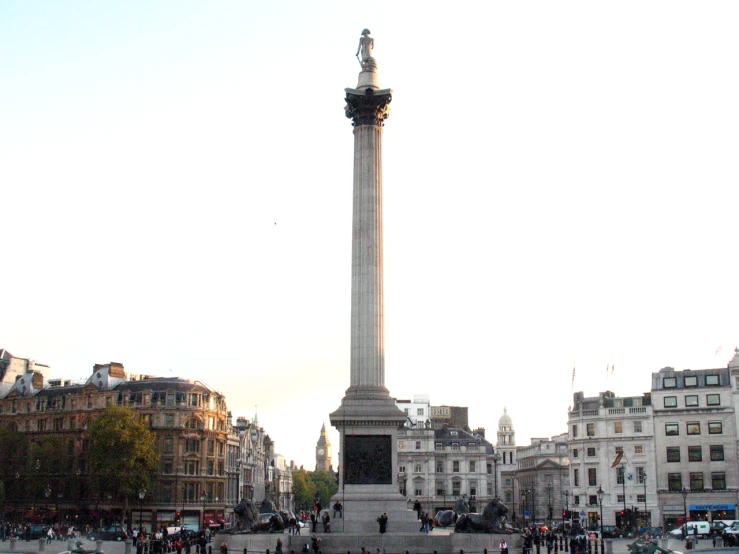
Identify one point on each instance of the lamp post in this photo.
(47, 494)
(644, 480)
(551, 510)
(684, 492)
(496, 457)
(513, 495)
(600, 527)
(567, 506)
(523, 506)
(203, 499)
(142, 495)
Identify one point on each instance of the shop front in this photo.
(712, 512)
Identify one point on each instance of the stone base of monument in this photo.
(362, 508)
(441, 540)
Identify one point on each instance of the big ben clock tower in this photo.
(323, 451)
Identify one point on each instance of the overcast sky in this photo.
(560, 190)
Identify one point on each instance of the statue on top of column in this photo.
(366, 44)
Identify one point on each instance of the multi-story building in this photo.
(418, 411)
(205, 466)
(612, 470)
(695, 443)
(437, 467)
(541, 479)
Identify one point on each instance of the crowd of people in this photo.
(56, 531)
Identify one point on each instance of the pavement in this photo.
(619, 546)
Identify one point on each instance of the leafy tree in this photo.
(48, 464)
(122, 455)
(14, 462)
(325, 486)
(305, 490)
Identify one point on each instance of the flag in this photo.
(717, 350)
(618, 459)
(573, 377)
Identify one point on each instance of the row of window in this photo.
(472, 465)
(192, 467)
(675, 481)
(591, 451)
(691, 381)
(618, 428)
(691, 400)
(193, 445)
(695, 453)
(694, 428)
(593, 499)
(75, 402)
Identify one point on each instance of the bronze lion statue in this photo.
(491, 520)
(247, 516)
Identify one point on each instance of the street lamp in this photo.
(600, 501)
(142, 494)
(203, 499)
(551, 513)
(496, 457)
(47, 494)
(567, 506)
(644, 480)
(684, 492)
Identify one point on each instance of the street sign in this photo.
(526, 513)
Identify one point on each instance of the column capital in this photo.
(368, 107)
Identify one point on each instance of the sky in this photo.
(560, 191)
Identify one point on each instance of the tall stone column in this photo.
(368, 419)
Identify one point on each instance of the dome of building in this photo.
(505, 419)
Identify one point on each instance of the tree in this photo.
(123, 455)
(14, 463)
(305, 490)
(325, 486)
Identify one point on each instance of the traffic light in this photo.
(564, 513)
(177, 518)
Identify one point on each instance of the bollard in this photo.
(244, 550)
(556, 549)
(41, 545)
(129, 542)
(538, 548)
(70, 544)
(99, 547)
(485, 551)
(210, 549)
(12, 543)
(595, 546)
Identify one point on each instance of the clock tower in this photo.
(323, 451)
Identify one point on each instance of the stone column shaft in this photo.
(367, 312)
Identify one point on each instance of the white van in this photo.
(703, 529)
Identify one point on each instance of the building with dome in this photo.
(505, 450)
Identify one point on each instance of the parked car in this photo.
(655, 532)
(612, 532)
(34, 531)
(110, 533)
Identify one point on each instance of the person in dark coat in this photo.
(382, 520)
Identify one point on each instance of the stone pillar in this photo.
(368, 419)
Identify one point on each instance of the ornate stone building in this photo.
(206, 464)
(541, 482)
(436, 467)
